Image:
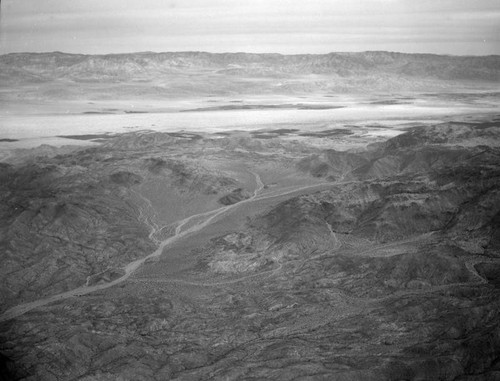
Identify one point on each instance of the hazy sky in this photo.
(292, 26)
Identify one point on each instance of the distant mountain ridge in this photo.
(64, 65)
(62, 76)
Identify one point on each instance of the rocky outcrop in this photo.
(235, 196)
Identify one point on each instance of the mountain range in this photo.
(374, 68)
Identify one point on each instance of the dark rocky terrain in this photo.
(71, 216)
(299, 263)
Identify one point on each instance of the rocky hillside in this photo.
(420, 150)
(390, 271)
(68, 217)
(418, 243)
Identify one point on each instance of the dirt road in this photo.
(133, 266)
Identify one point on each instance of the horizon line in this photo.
(255, 53)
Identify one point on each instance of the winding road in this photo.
(133, 266)
(206, 218)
